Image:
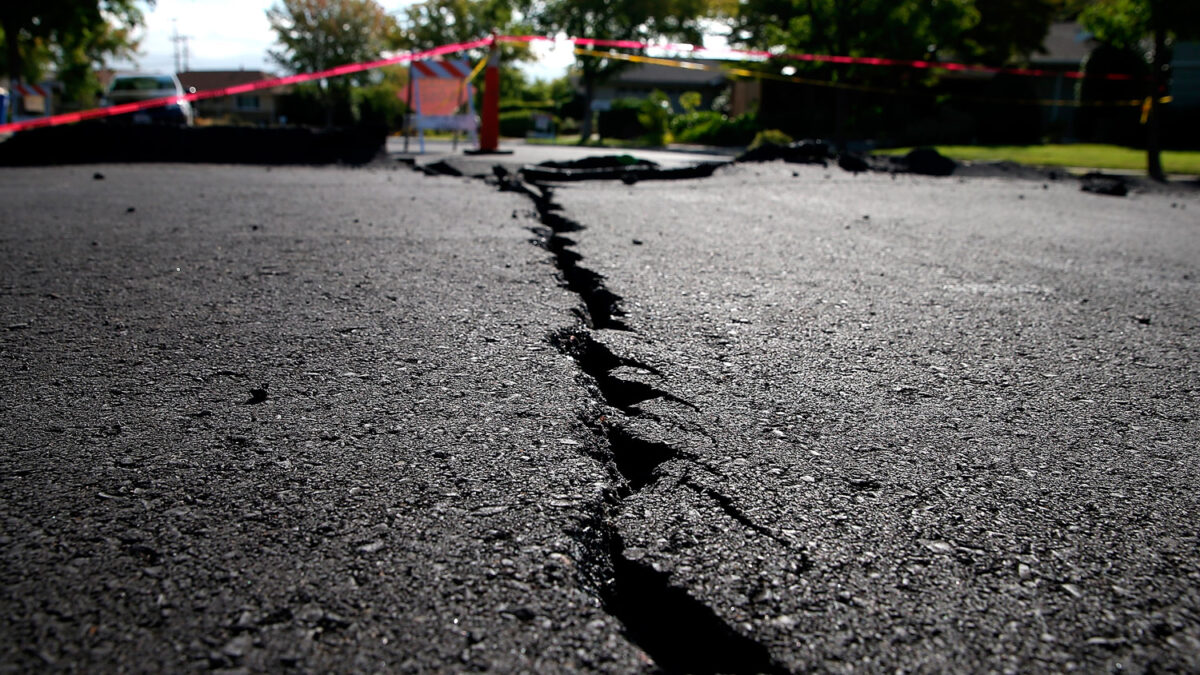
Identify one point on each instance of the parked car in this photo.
(146, 86)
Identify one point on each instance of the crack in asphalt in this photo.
(597, 360)
(602, 307)
(731, 509)
(679, 632)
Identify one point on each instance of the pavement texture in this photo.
(783, 419)
(406, 498)
(908, 423)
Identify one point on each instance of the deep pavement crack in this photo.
(674, 628)
(603, 307)
(678, 631)
(597, 360)
(681, 634)
(637, 458)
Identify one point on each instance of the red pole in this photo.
(489, 134)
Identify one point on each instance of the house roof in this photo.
(219, 79)
(660, 75)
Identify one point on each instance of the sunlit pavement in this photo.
(532, 153)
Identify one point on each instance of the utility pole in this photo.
(175, 41)
(181, 47)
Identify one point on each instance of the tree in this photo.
(995, 32)
(1126, 24)
(74, 37)
(614, 20)
(1009, 30)
(908, 29)
(315, 35)
(438, 22)
(904, 29)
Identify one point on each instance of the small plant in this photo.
(654, 114)
(690, 100)
(713, 128)
(770, 137)
(518, 123)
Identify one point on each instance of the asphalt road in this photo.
(912, 423)
(779, 420)
(406, 498)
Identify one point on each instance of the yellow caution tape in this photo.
(473, 74)
(1146, 105)
(478, 69)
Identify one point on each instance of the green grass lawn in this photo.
(1076, 155)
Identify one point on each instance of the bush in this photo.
(690, 100)
(682, 124)
(518, 104)
(621, 120)
(654, 115)
(518, 123)
(378, 105)
(568, 126)
(713, 128)
(770, 136)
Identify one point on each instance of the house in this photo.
(1069, 47)
(639, 80)
(256, 107)
(1065, 49)
(1185, 76)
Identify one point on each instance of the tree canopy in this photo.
(1009, 30)
(439, 22)
(1146, 28)
(910, 29)
(614, 20)
(75, 38)
(1128, 23)
(315, 35)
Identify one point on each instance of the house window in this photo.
(246, 102)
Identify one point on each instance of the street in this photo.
(783, 419)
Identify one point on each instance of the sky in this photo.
(234, 34)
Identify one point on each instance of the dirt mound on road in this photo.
(923, 161)
(600, 162)
(800, 152)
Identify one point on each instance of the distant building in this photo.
(257, 107)
(1185, 75)
(639, 80)
(1065, 49)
